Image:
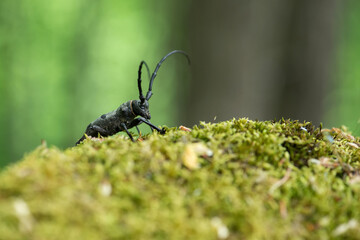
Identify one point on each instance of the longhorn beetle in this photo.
(129, 114)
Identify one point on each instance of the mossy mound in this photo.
(238, 179)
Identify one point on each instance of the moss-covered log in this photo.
(238, 179)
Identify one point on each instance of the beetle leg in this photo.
(138, 130)
(126, 130)
(152, 126)
(97, 129)
(93, 131)
(80, 140)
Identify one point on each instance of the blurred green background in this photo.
(64, 63)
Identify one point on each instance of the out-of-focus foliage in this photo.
(63, 63)
(345, 98)
(238, 179)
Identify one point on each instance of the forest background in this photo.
(63, 63)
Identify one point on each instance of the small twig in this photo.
(280, 182)
(283, 209)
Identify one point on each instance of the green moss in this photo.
(238, 179)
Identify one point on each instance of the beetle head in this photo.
(141, 108)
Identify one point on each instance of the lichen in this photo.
(238, 179)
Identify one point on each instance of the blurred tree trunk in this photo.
(261, 59)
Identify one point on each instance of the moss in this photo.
(238, 179)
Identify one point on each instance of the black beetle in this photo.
(129, 114)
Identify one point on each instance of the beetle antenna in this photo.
(141, 96)
(149, 93)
